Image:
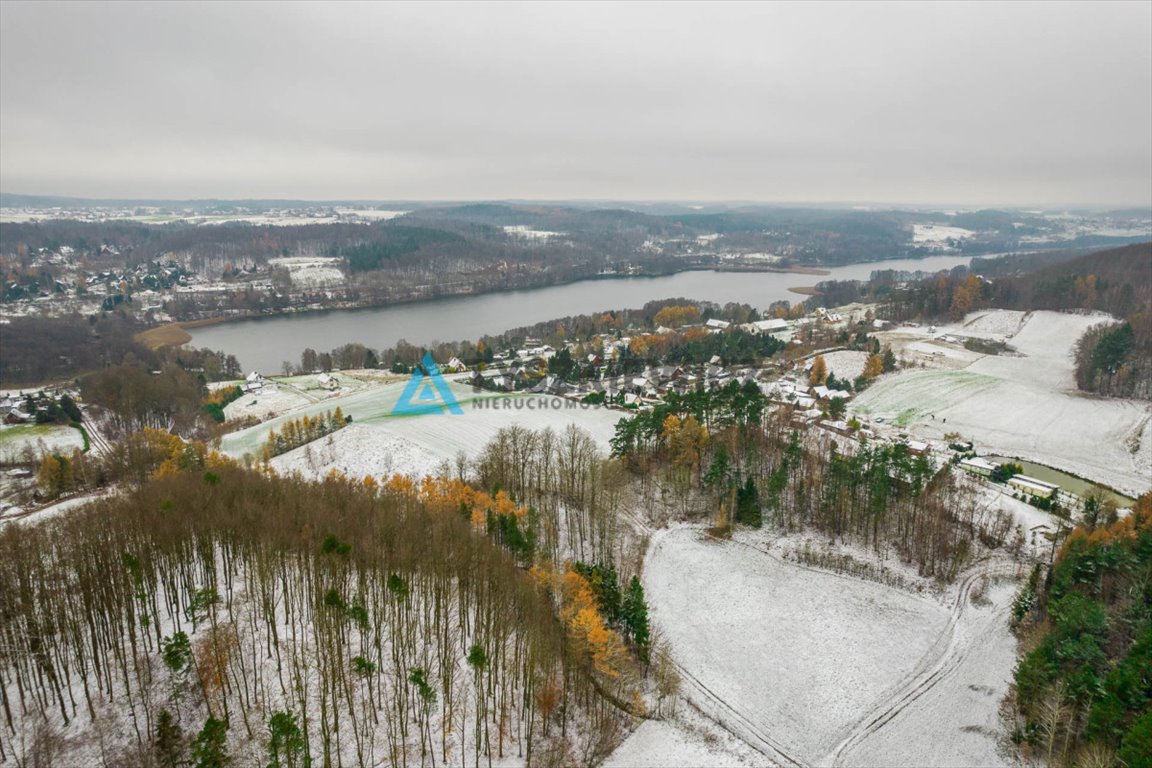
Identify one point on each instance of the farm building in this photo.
(978, 466)
(1032, 486)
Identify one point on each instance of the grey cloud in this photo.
(981, 103)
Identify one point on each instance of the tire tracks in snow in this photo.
(713, 705)
(950, 650)
(736, 722)
(933, 668)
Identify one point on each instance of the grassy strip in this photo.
(84, 434)
(167, 335)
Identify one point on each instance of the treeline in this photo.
(881, 284)
(573, 490)
(132, 397)
(221, 399)
(397, 243)
(39, 350)
(301, 431)
(130, 460)
(1117, 281)
(603, 622)
(1115, 359)
(222, 615)
(1111, 359)
(1084, 689)
(721, 459)
(690, 346)
(623, 321)
(696, 346)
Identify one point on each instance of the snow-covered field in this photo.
(40, 438)
(809, 667)
(845, 364)
(1025, 405)
(685, 740)
(309, 272)
(524, 232)
(51, 511)
(938, 233)
(994, 324)
(379, 443)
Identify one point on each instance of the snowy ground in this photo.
(15, 439)
(845, 364)
(379, 443)
(308, 272)
(937, 233)
(1024, 405)
(18, 515)
(684, 740)
(809, 667)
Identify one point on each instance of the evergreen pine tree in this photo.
(286, 741)
(610, 598)
(717, 474)
(635, 612)
(168, 748)
(210, 747)
(748, 504)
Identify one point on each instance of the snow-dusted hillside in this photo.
(809, 667)
(378, 443)
(1024, 405)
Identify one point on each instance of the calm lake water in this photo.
(263, 344)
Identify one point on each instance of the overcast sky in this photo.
(981, 103)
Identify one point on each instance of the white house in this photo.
(775, 325)
(978, 466)
(253, 383)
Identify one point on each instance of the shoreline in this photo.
(223, 319)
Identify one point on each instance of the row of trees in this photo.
(301, 431)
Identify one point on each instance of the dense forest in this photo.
(1084, 686)
(218, 614)
(1117, 281)
(39, 350)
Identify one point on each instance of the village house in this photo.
(823, 393)
(918, 448)
(254, 383)
(977, 466)
(775, 325)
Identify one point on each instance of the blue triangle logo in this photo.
(427, 392)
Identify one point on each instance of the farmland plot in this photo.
(380, 443)
(809, 667)
(1026, 405)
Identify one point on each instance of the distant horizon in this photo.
(930, 205)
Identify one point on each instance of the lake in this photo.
(264, 343)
